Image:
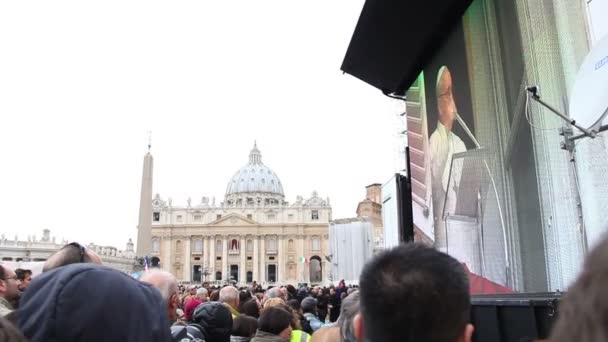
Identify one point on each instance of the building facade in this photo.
(38, 250)
(254, 234)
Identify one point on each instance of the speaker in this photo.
(514, 317)
(394, 39)
(404, 209)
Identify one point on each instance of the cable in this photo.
(529, 117)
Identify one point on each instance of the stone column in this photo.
(166, 254)
(212, 258)
(243, 265)
(280, 262)
(225, 273)
(205, 256)
(256, 259)
(187, 275)
(300, 253)
(262, 279)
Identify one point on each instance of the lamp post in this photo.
(206, 271)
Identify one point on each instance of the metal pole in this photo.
(586, 132)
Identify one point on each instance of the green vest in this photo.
(299, 336)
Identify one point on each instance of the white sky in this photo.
(598, 10)
(81, 84)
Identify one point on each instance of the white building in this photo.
(254, 234)
(38, 250)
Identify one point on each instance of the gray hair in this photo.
(164, 281)
(348, 311)
(274, 292)
(202, 292)
(229, 294)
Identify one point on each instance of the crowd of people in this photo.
(409, 293)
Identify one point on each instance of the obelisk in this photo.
(144, 226)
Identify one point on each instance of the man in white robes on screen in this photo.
(443, 144)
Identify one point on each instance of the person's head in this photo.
(244, 326)
(445, 98)
(274, 292)
(215, 296)
(326, 334)
(284, 294)
(251, 308)
(166, 283)
(291, 290)
(309, 305)
(273, 302)
(72, 253)
(87, 302)
(9, 284)
(24, 277)
(583, 312)
(216, 320)
(230, 296)
(276, 321)
(192, 290)
(295, 305)
(411, 281)
(314, 291)
(244, 296)
(348, 311)
(202, 294)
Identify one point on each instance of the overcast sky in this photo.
(81, 84)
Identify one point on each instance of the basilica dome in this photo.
(254, 181)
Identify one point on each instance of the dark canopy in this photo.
(394, 39)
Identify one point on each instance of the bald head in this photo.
(326, 334)
(72, 253)
(230, 296)
(166, 283)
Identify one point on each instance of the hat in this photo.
(308, 304)
(89, 302)
(216, 320)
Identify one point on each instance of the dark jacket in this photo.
(216, 320)
(262, 336)
(87, 302)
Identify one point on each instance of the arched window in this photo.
(249, 246)
(218, 275)
(234, 245)
(178, 246)
(218, 246)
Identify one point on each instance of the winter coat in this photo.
(262, 336)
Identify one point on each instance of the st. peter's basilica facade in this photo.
(252, 235)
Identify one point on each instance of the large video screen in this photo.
(490, 182)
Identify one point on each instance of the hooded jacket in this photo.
(88, 302)
(216, 320)
(262, 336)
